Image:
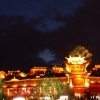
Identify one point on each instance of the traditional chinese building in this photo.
(77, 77)
(26, 84)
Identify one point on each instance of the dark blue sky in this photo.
(43, 32)
(37, 8)
(40, 8)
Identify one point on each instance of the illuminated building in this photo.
(27, 85)
(76, 75)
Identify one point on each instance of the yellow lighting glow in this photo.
(92, 82)
(24, 85)
(14, 85)
(19, 98)
(71, 85)
(65, 97)
(86, 84)
(46, 98)
(76, 60)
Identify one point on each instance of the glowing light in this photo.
(22, 74)
(77, 95)
(92, 82)
(86, 83)
(2, 76)
(64, 97)
(24, 85)
(14, 85)
(46, 98)
(14, 79)
(76, 60)
(19, 98)
(34, 84)
(28, 91)
(71, 85)
(8, 92)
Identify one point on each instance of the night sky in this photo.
(43, 32)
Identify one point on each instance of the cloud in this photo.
(49, 25)
(47, 55)
(21, 41)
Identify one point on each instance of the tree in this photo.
(53, 88)
(82, 52)
(1, 89)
